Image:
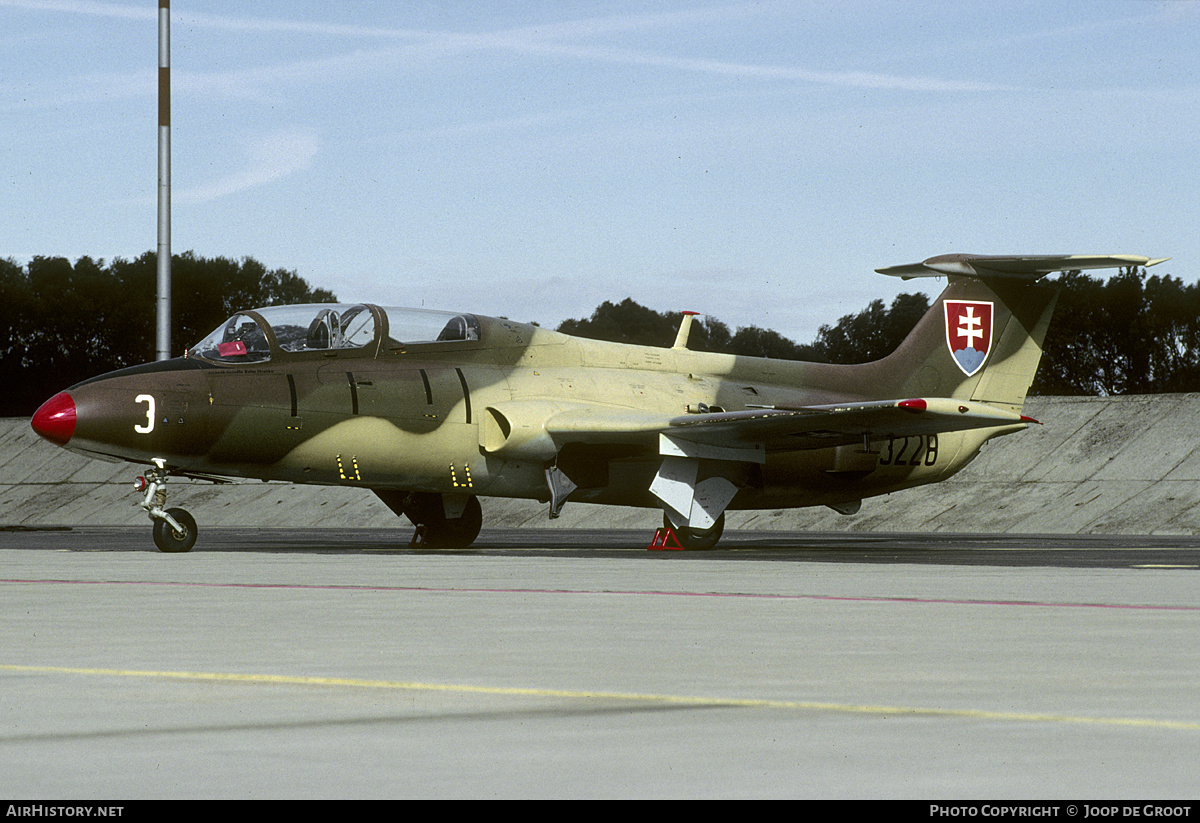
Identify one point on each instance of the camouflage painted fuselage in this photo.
(468, 417)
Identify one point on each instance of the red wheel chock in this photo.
(665, 539)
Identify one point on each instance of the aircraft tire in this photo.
(699, 539)
(442, 532)
(166, 537)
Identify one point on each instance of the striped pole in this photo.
(163, 337)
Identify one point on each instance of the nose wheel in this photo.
(174, 529)
(177, 537)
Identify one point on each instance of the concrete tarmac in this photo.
(327, 663)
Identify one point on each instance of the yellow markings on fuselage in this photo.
(378, 451)
(465, 483)
(353, 473)
(670, 699)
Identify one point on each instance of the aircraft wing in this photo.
(814, 427)
(784, 429)
(1014, 267)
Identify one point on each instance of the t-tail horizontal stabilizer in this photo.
(1014, 267)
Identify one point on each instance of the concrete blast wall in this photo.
(1125, 465)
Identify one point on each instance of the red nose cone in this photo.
(55, 420)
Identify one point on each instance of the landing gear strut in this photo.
(174, 529)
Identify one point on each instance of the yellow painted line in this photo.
(791, 705)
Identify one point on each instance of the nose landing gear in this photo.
(174, 529)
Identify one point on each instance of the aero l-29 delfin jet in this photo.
(431, 410)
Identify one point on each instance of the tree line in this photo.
(63, 322)
(1128, 333)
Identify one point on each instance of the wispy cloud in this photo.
(570, 40)
(87, 7)
(856, 79)
(268, 158)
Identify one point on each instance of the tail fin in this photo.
(982, 338)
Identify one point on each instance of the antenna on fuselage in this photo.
(685, 329)
(163, 324)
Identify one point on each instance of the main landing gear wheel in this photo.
(698, 539)
(442, 532)
(427, 511)
(169, 540)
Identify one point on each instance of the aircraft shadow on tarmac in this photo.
(1064, 551)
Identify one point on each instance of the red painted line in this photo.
(927, 601)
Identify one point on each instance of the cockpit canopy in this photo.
(257, 335)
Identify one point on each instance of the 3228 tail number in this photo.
(921, 449)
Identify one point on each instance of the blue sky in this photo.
(754, 161)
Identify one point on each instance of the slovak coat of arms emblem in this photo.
(968, 333)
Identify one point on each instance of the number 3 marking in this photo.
(148, 399)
